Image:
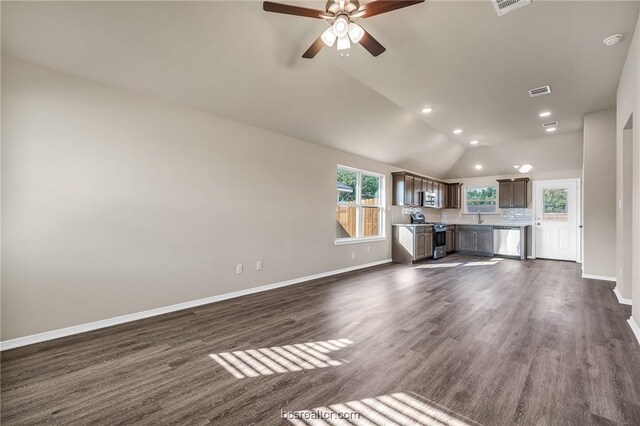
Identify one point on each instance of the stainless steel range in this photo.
(439, 240)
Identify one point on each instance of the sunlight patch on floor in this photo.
(439, 265)
(280, 359)
(481, 263)
(393, 409)
(493, 261)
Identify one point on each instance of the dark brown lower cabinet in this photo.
(475, 239)
(451, 238)
(411, 243)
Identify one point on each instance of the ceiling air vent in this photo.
(505, 6)
(550, 124)
(539, 91)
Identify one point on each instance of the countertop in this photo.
(505, 225)
(412, 225)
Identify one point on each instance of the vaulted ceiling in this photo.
(473, 67)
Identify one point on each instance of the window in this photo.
(555, 204)
(360, 210)
(481, 199)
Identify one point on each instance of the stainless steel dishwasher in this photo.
(509, 241)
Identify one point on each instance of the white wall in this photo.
(548, 154)
(628, 104)
(598, 194)
(114, 203)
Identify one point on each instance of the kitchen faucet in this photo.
(479, 219)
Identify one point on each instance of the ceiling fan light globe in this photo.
(329, 37)
(344, 43)
(341, 26)
(355, 32)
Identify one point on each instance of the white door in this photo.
(556, 219)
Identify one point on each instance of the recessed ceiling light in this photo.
(551, 129)
(474, 142)
(427, 110)
(516, 167)
(478, 166)
(612, 40)
(544, 114)
(525, 168)
(457, 131)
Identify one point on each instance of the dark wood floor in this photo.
(466, 342)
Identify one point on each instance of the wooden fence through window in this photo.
(346, 216)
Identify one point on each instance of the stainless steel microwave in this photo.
(428, 199)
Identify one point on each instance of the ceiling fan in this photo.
(342, 16)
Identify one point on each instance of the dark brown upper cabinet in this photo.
(452, 196)
(439, 190)
(512, 193)
(403, 193)
(409, 190)
(417, 191)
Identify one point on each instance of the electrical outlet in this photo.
(353, 256)
(368, 249)
(259, 265)
(239, 268)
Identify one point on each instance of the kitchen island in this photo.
(411, 242)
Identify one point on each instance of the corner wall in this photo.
(628, 104)
(598, 196)
(115, 203)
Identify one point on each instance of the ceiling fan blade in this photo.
(293, 10)
(382, 6)
(371, 44)
(313, 50)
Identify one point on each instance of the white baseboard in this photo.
(599, 277)
(82, 328)
(634, 327)
(621, 299)
(531, 257)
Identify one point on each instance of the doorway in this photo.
(626, 205)
(556, 211)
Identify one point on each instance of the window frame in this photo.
(466, 205)
(359, 238)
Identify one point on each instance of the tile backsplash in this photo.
(400, 214)
(504, 216)
(517, 215)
